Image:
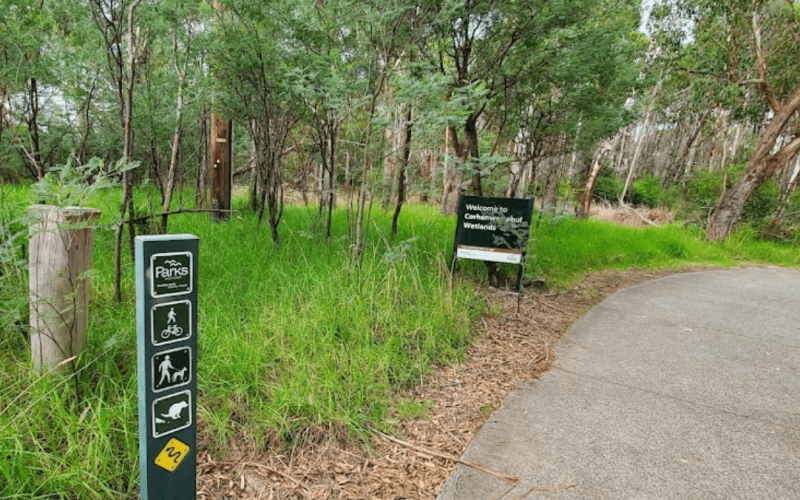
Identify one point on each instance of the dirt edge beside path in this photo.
(515, 347)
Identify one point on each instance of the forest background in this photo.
(351, 110)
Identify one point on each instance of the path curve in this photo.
(686, 387)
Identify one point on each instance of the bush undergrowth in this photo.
(288, 338)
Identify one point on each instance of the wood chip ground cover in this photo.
(515, 347)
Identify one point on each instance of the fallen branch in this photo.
(176, 212)
(505, 477)
(274, 471)
(643, 218)
(544, 488)
(550, 306)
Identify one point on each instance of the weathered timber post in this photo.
(220, 156)
(221, 172)
(61, 242)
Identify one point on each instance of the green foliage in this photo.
(71, 185)
(704, 188)
(608, 187)
(647, 191)
(762, 204)
(701, 194)
(13, 269)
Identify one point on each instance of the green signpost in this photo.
(166, 318)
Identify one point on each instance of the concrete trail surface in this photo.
(686, 387)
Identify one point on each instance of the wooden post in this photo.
(221, 175)
(60, 255)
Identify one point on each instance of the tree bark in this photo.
(762, 165)
(588, 192)
(401, 177)
(176, 138)
(472, 153)
(454, 176)
(127, 182)
(637, 151)
(390, 159)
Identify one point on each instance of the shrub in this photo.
(608, 187)
(647, 191)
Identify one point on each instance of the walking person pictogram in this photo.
(171, 316)
(164, 367)
(171, 368)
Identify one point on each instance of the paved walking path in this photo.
(687, 387)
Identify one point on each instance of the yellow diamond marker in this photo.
(172, 455)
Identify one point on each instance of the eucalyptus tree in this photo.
(173, 90)
(579, 100)
(381, 35)
(36, 117)
(739, 56)
(251, 55)
(324, 77)
(489, 47)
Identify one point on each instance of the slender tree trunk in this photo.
(401, 177)
(456, 175)
(127, 183)
(327, 134)
(36, 150)
(638, 149)
(586, 198)
(472, 153)
(515, 173)
(269, 136)
(201, 181)
(176, 138)
(446, 174)
(390, 158)
(687, 156)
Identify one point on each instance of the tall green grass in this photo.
(289, 337)
(563, 250)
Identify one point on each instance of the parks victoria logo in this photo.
(172, 274)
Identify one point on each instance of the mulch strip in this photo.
(515, 347)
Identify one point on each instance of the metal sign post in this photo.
(166, 320)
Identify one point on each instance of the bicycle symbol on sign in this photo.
(171, 331)
(170, 322)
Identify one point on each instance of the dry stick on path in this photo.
(544, 488)
(505, 477)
